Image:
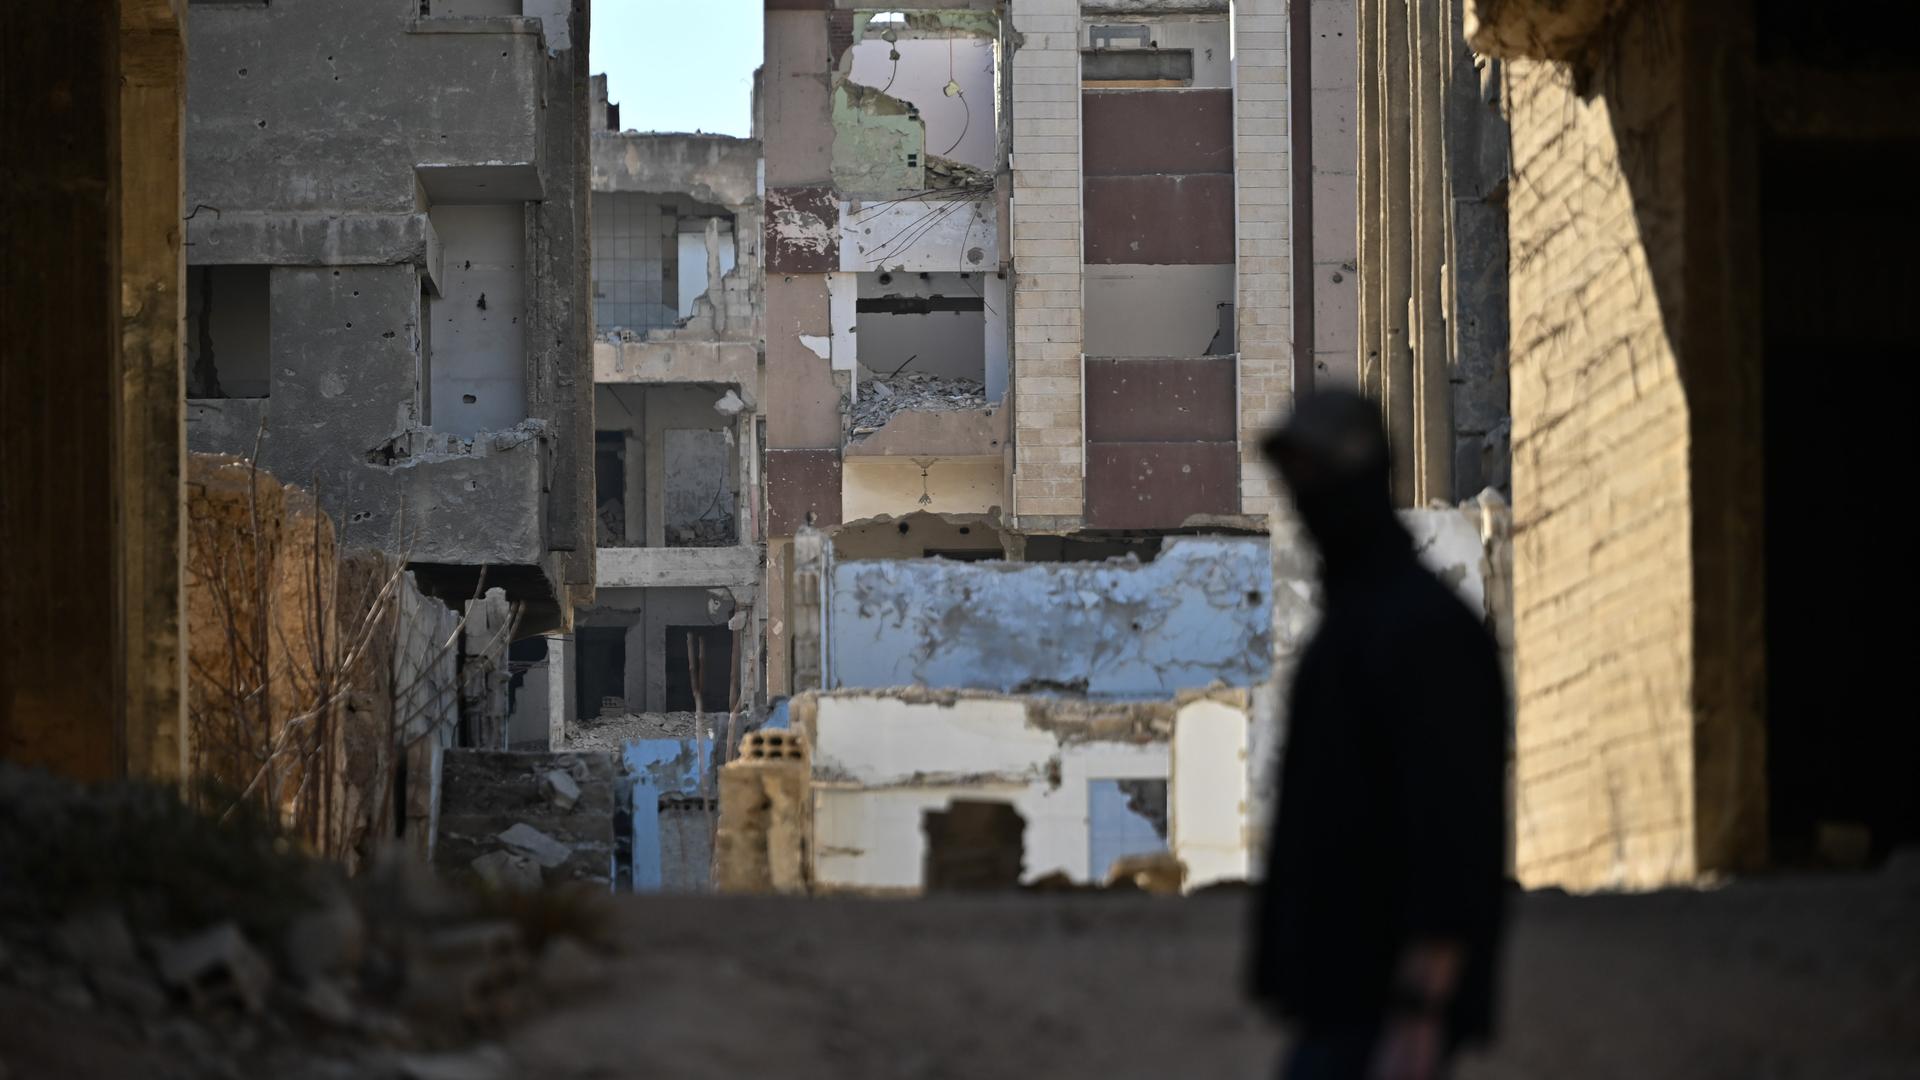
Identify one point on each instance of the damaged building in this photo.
(386, 288)
(1032, 266)
(669, 648)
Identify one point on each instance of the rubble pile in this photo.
(613, 732)
(880, 399)
(172, 944)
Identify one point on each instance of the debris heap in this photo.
(880, 399)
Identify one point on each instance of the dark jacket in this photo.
(1391, 820)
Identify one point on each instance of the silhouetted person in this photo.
(1379, 920)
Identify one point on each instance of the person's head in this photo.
(1332, 453)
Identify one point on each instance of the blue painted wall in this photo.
(1201, 613)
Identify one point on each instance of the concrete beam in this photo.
(657, 567)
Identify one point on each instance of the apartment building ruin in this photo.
(676, 623)
(386, 295)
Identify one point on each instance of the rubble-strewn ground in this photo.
(1815, 979)
(135, 942)
(880, 399)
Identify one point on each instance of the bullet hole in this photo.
(364, 515)
(349, 326)
(1253, 596)
(336, 78)
(516, 318)
(1136, 627)
(243, 73)
(903, 528)
(388, 334)
(468, 265)
(966, 530)
(329, 59)
(473, 485)
(469, 399)
(1338, 277)
(336, 273)
(885, 279)
(482, 305)
(356, 292)
(260, 123)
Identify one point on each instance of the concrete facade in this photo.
(421, 269)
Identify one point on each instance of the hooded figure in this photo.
(1377, 927)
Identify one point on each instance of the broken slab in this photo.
(502, 801)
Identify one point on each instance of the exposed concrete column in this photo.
(1263, 184)
(1396, 145)
(560, 688)
(1333, 27)
(1048, 316)
(1476, 270)
(1432, 444)
(1371, 238)
(152, 448)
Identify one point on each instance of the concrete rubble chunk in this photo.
(544, 849)
(217, 967)
(566, 965)
(507, 871)
(324, 1000)
(98, 939)
(131, 990)
(561, 787)
(326, 941)
(486, 1063)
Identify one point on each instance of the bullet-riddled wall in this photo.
(419, 267)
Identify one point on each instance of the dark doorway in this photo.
(1840, 345)
(712, 653)
(601, 670)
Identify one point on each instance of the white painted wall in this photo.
(479, 352)
(880, 763)
(919, 234)
(960, 127)
(1208, 797)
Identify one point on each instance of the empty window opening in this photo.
(922, 344)
(701, 483)
(653, 256)
(1144, 310)
(945, 81)
(1124, 817)
(610, 487)
(477, 363)
(699, 656)
(1162, 51)
(668, 465)
(229, 332)
(460, 8)
(707, 254)
(600, 672)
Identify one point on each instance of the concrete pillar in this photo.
(560, 688)
(1433, 388)
(1371, 238)
(152, 444)
(1396, 146)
